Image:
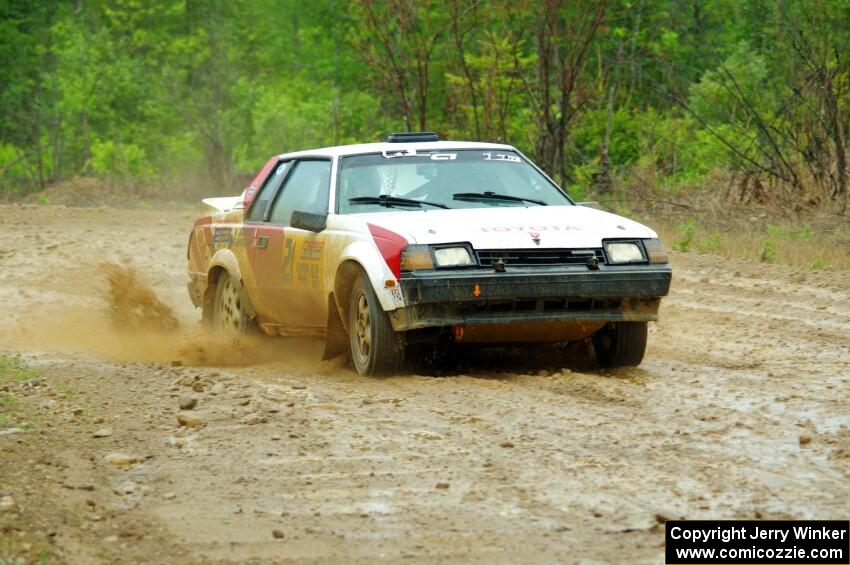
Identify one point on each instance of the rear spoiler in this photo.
(222, 204)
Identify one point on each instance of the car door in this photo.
(264, 244)
(291, 278)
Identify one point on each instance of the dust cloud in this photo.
(133, 305)
(128, 321)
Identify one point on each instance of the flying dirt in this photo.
(128, 434)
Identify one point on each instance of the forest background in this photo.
(692, 112)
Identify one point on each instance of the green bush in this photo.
(711, 244)
(120, 160)
(686, 230)
(768, 252)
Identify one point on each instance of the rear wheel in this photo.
(229, 315)
(376, 349)
(620, 344)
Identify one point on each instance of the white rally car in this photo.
(417, 242)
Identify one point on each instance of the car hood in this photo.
(510, 227)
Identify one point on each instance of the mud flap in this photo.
(336, 339)
(244, 299)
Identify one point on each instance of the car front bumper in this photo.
(530, 295)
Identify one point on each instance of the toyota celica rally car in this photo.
(381, 248)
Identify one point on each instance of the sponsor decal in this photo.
(312, 250)
(228, 237)
(222, 236)
(507, 157)
(309, 268)
(237, 238)
(302, 262)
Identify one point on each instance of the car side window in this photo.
(261, 202)
(306, 189)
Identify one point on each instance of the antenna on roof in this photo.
(412, 137)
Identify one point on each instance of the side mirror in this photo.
(309, 221)
(594, 205)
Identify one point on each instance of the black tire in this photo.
(229, 315)
(621, 344)
(376, 349)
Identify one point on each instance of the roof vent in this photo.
(412, 137)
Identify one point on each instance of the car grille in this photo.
(538, 257)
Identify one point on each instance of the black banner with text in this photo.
(763, 542)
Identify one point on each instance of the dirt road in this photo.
(740, 410)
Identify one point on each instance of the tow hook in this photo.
(592, 263)
(499, 265)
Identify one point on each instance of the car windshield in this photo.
(430, 180)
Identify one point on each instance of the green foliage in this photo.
(686, 230)
(120, 160)
(711, 244)
(768, 252)
(17, 172)
(12, 370)
(583, 180)
(819, 264)
(157, 90)
(783, 232)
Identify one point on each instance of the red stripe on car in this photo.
(390, 244)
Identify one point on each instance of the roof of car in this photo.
(364, 148)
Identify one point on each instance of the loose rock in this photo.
(188, 402)
(7, 504)
(277, 534)
(102, 432)
(253, 418)
(190, 421)
(120, 460)
(188, 381)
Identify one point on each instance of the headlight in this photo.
(419, 257)
(453, 257)
(655, 251)
(624, 252)
(416, 257)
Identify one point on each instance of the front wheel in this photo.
(620, 344)
(376, 349)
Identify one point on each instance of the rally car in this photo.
(414, 244)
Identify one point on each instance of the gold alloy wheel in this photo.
(363, 327)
